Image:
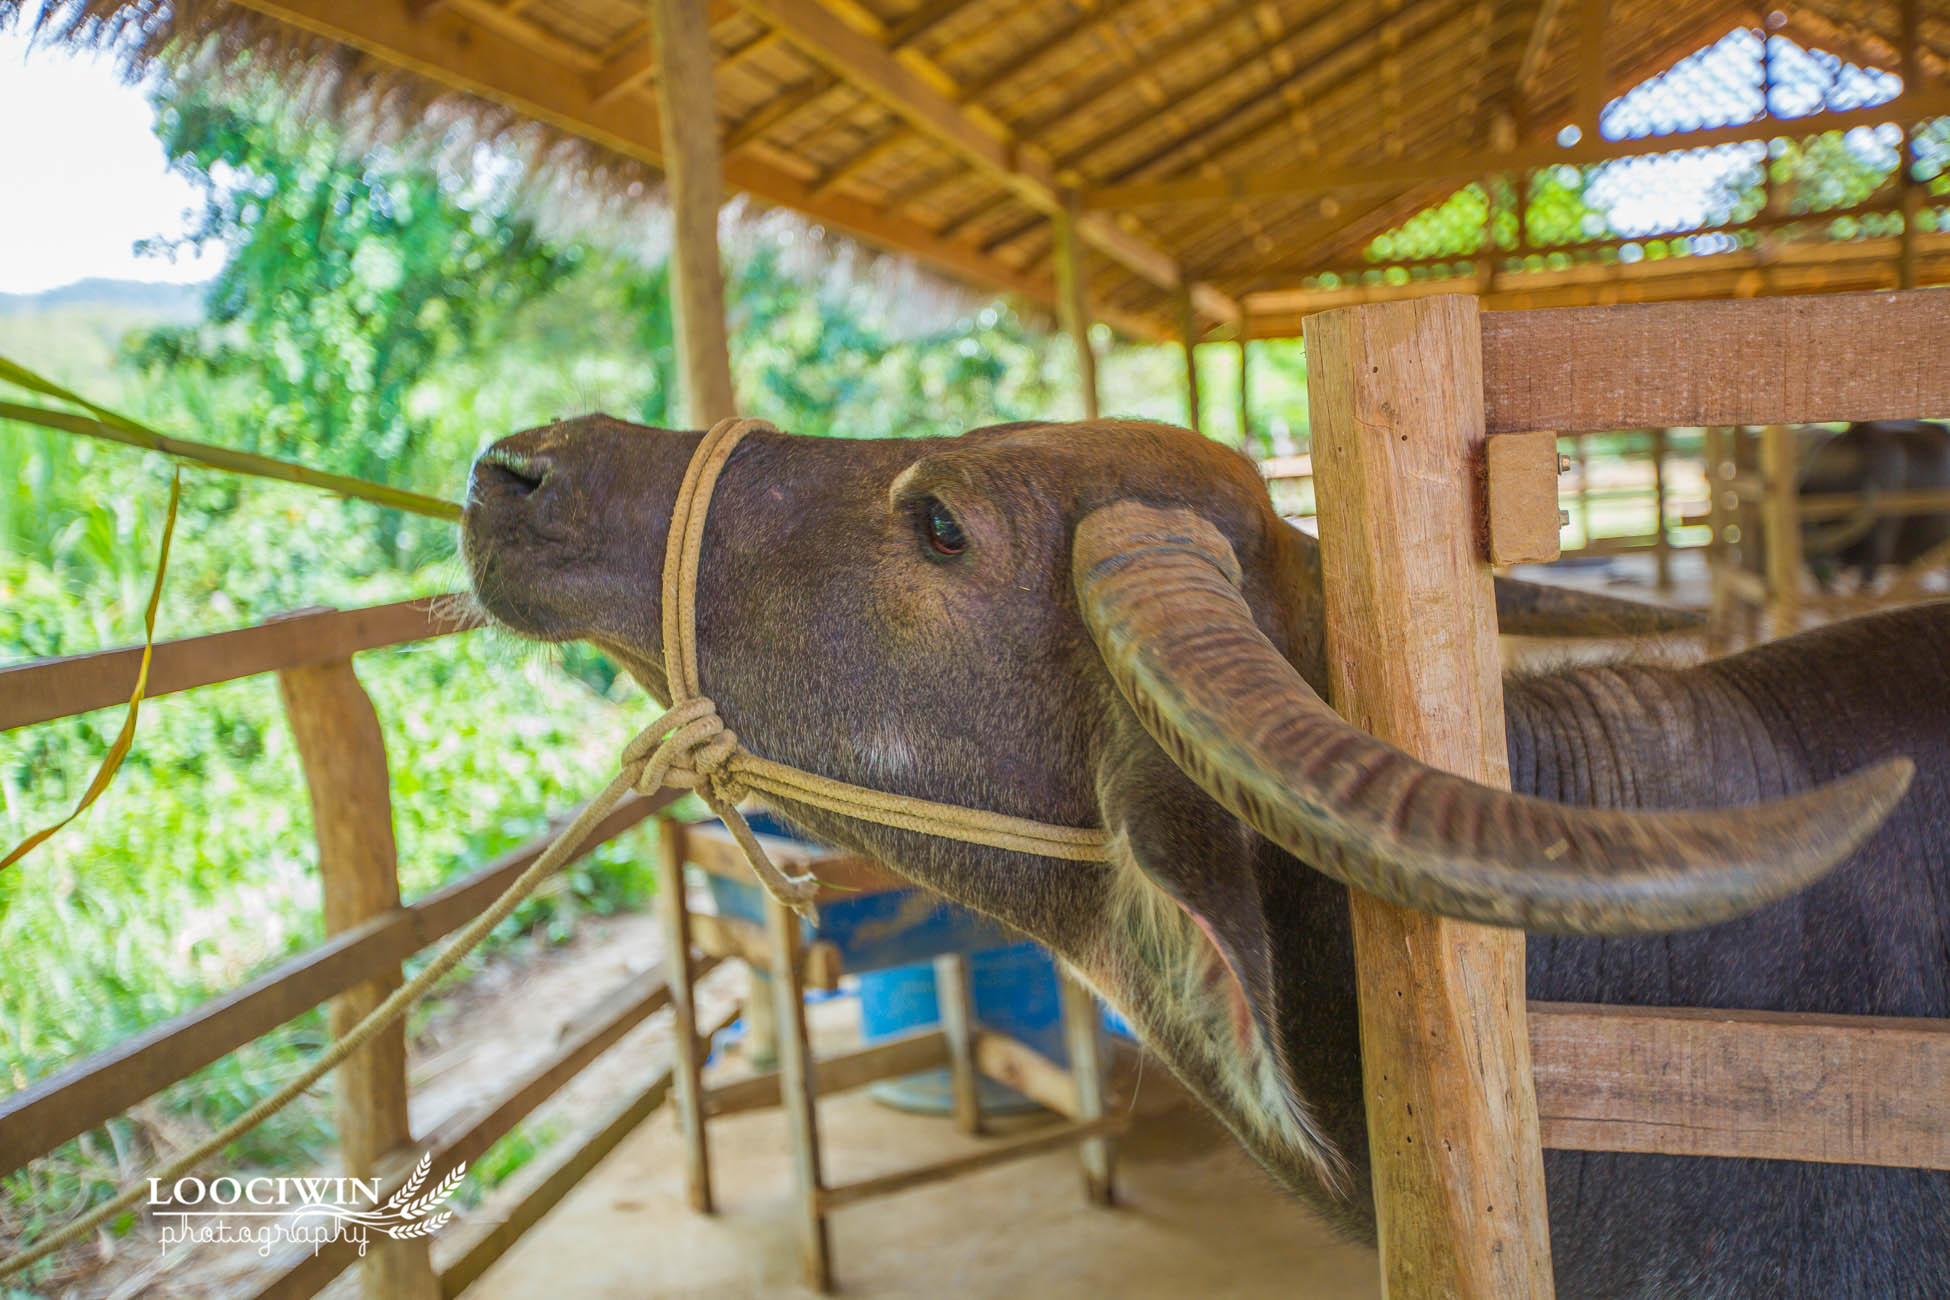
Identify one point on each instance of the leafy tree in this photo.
(348, 282)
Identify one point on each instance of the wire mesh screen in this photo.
(1791, 191)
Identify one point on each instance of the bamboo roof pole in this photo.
(688, 101)
(1072, 301)
(1188, 340)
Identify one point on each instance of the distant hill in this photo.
(156, 303)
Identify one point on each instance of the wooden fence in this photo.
(369, 933)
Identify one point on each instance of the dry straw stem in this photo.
(114, 427)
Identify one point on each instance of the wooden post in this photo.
(1073, 300)
(688, 1085)
(1080, 1038)
(1719, 613)
(1245, 387)
(687, 98)
(1188, 339)
(956, 1003)
(1661, 536)
(1581, 453)
(1396, 391)
(796, 1093)
(1781, 528)
(344, 758)
(1591, 67)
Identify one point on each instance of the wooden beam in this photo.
(924, 1049)
(46, 689)
(453, 52)
(1856, 1090)
(1465, 166)
(1398, 428)
(1784, 270)
(1015, 1064)
(986, 1156)
(1867, 356)
(923, 20)
(909, 85)
(687, 100)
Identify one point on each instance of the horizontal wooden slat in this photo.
(1015, 1064)
(300, 1271)
(1853, 356)
(92, 1091)
(925, 1049)
(994, 1153)
(566, 1167)
(1774, 1085)
(59, 688)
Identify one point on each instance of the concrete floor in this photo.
(1196, 1218)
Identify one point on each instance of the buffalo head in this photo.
(1099, 625)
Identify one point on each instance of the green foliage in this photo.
(381, 317)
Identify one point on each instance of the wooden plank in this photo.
(1521, 469)
(301, 1271)
(687, 103)
(1017, 1065)
(50, 1111)
(987, 1156)
(47, 689)
(1859, 1090)
(1858, 356)
(796, 1094)
(343, 754)
(956, 1002)
(1395, 392)
(675, 916)
(1464, 165)
(820, 963)
(925, 1049)
(566, 1167)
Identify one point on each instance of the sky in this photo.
(84, 175)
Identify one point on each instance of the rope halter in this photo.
(690, 748)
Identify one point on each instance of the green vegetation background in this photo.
(382, 314)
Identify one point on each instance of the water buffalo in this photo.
(1875, 459)
(1106, 625)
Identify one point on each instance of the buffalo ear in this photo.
(1186, 887)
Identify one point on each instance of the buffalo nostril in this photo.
(520, 472)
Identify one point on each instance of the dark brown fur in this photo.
(833, 638)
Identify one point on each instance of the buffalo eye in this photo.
(941, 528)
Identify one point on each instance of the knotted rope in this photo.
(687, 748)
